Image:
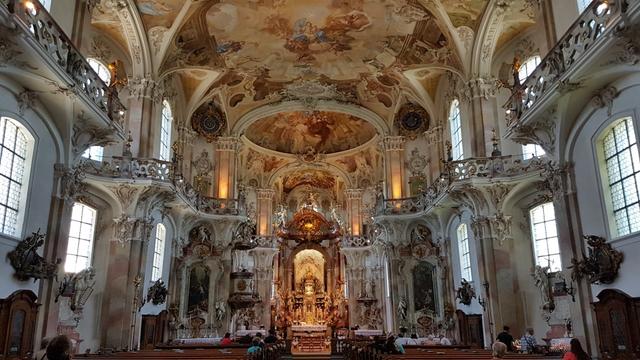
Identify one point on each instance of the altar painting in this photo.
(309, 262)
(198, 299)
(424, 293)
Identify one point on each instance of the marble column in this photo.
(394, 166)
(264, 211)
(226, 152)
(263, 270)
(354, 210)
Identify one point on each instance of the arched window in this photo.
(101, 69)
(531, 150)
(583, 4)
(464, 253)
(94, 153)
(46, 4)
(544, 233)
(165, 132)
(527, 67)
(158, 252)
(456, 131)
(622, 160)
(80, 243)
(16, 148)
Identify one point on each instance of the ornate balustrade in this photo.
(354, 241)
(458, 172)
(577, 45)
(38, 26)
(122, 167)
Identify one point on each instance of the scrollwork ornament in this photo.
(27, 263)
(157, 293)
(412, 120)
(602, 264)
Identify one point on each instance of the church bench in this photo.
(271, 352)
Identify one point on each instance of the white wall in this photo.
(40, 186)
(588, 178)
(475, 307)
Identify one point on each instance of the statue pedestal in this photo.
(310, 339)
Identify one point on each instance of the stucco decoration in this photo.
(209, 121)
(412, 120)
(157, 293)
(465, 293)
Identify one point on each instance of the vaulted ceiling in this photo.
(244, 54)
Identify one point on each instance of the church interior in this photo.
(330, 173)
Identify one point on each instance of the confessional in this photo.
(618, 319)
(18, 314)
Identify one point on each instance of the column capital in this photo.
(354, 194)
(227, 144)
(393, 143)
(265, 194)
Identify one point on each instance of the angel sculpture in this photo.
(402, 308)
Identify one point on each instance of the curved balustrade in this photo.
(119, 167)
(38, 25)
(457, 172)
(572, 48)
(355, 241)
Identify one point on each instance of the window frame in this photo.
(27, 180)
(602, 172)
(459, 145)
(538, 151)
(525, 66)
(546, 238)
(164, 152)
(87, 154)
(92, 241)
(582, 5)
(157, 263)
(466, 272)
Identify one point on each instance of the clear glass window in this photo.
(80, 244)
(623, 174)
(527, 67)
(15, 147)
(456, 131)
(544, 233)
(95, 153)
(165, 132)
(158, 252)
(582, 5)
(101, 69)
(532, 150)
(465, 254)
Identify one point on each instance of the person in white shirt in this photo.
(445, 341)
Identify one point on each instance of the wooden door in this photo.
(618, 328)
(148, 333)
(18, 315)
(471, 330)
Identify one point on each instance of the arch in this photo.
(486, 39)
(290, 167)
(361, 112)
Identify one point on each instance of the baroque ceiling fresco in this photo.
(234, 58)
(321, 131)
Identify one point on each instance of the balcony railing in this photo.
(457, 172)
(122, 167)
(575, 46)
(37, 24)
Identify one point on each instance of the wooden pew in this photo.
(270, 352)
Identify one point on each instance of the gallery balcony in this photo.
(459, 176)
(600, 37)
(160, 175)
(35, 50)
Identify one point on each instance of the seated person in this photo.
(528, 343)
(255, 347)
(445, 341)
(271, 338)
(506, 338)
(226, 340)
(499, 350)
(59, 348)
